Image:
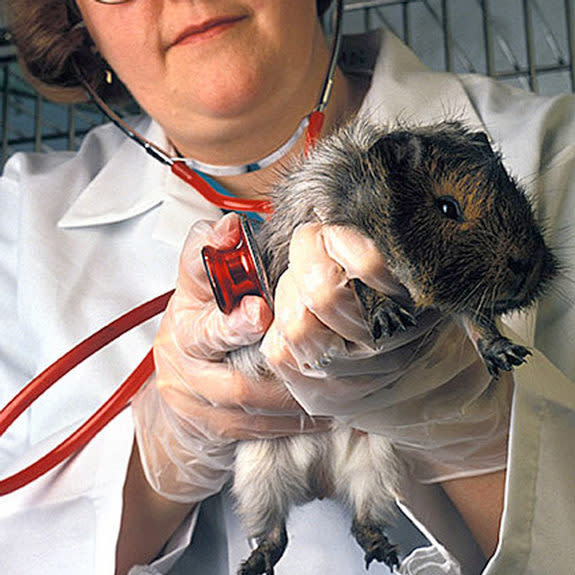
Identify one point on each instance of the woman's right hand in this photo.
(194, 409)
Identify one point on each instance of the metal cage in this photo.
(527, 43)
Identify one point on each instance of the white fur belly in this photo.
(272, 475)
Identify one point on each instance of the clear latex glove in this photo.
(425, 388)
(429, 561)
(195, 408)
(317, 314)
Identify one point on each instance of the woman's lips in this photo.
(206, 30)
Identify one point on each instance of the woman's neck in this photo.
(346, 99)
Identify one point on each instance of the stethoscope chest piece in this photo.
(237, 272)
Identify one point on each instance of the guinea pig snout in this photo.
(525, 273)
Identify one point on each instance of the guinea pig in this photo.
(458, 232)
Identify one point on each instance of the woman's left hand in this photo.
(425, 388)
(319, 331)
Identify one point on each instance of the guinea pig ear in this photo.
(399, 150)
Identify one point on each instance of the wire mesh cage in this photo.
(527, 43)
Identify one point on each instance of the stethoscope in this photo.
(232, 274)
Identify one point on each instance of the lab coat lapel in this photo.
(181, 208)
(127, 185)
(131, 183)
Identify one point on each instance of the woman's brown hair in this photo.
(53, 44)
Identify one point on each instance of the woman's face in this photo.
(207, 67)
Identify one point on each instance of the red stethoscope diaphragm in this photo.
(237, 272)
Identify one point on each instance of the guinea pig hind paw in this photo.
(374, 542)
(266, 554)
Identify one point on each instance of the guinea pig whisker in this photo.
(466, 296)
(494, 299)
(465, 299)
(485, 301)
(481, 304)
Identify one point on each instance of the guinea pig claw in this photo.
(388, 317)
(372, 539)
(502, 355)
(384, 316)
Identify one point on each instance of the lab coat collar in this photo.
(131, 183)
(127, 185)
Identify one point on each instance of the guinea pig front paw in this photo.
(384, 316)
(388, 317)
(501, 354)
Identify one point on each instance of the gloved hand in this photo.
(191, 413)
(425, 388)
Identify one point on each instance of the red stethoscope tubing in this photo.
(220, 200)
(231, 203)
(108, 411)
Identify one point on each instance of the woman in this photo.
(227, 83)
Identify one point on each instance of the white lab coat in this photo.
(86, 236)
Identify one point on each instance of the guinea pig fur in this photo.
(458, 232)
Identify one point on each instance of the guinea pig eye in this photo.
(449, 207)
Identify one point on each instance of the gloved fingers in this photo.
(197, 420)
(278, 353)
(322, 393)
(323, 286)
(308, 339)
(203, 331)
(359, 256)
(360, 385)
(217, 384)
(325, 360)
(199, 328)
(216, 424)
(338, 388)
